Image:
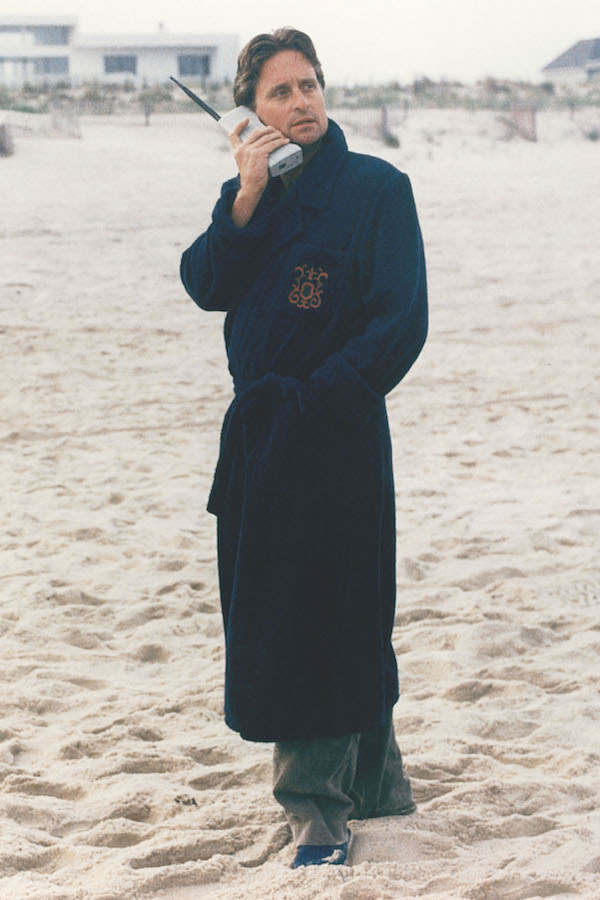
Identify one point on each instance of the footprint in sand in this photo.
(229, 778)
(261, 851)
(260, 772)
(200, 848)
(515, 826)
(172, 565)
(168, 588)
(28, 859)
(210, 780)
(209, 755)
(44, 817)
(98, 535)
(85, 640)
(506, 729)
(146, 764)
(375, 842)
(151, 653)
(363, 888)
(91, 684)
(418, 614)
(494, 640)
(490, 576)
(115, 833)
(515, 674)
(469, 691)
(142, 616)
(429, 790)
(579, 593)
(25, 784)
(419, 569)
(74, 596)
(146, 734)
(136, 809)
(84, 748)
(432, 780)
(518, 887)
(41, 706)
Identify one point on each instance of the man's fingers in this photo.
(258, 136)
(251, 154)
(265, 131)
(235, 135)
(266, 140)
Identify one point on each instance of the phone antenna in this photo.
(197, 99)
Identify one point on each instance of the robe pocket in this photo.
(306, 300)
(312, 281)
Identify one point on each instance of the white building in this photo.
(579, 64)
(152, 58)
(35, 49)
(38, 49)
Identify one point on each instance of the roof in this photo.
(159, 39)
(577, 56)
(43, 21)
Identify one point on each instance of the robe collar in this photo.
(313, 188)
(283, 209)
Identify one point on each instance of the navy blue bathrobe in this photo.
(326, 306)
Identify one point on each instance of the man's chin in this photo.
(306, 135)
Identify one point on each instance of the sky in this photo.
(369, 41)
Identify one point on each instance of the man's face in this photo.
(289, 97)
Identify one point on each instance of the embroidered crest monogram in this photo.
(308, 287)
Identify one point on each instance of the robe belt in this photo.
(253, 397)
(250, 396)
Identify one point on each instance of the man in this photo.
(322, 275)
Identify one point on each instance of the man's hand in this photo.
(252, 157)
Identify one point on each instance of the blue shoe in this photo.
(321, 854)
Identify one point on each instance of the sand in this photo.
(118, 777)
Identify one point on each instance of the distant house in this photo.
(38, 49)
(35, 49)
(152, 58)
(580, 63)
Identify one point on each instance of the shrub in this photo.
(591, 134)
(7, 147)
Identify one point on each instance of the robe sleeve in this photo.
(391, 269)
(217, 266)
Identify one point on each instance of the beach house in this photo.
(49, 49)
(577, 65)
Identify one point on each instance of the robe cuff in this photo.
(344, 390)
(227, 232)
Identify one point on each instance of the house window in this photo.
(195, 64)
(50, 34)
(42, 34)
(113, 64)
(51, 65)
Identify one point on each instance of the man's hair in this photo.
(259, 50)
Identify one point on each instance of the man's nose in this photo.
(300, 99)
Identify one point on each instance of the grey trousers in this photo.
(324, 782)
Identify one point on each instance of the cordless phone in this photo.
(280, 160)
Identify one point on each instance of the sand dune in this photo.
(118, 778)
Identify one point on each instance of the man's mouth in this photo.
(303, 122)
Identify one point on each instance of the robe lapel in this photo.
(313, 189)
(286, 224)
